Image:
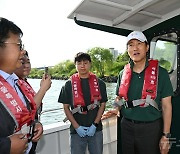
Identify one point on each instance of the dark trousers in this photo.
(141, 138)
(33, 149)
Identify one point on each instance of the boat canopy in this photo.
(123, 16)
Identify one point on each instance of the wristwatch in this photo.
(95, 124)
(167, 135)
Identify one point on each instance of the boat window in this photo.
(164, 48)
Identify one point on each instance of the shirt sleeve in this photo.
(103, 91)
(65, 96)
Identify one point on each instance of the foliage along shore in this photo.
(104, 65)
(109, 79)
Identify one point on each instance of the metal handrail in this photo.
(49, 110)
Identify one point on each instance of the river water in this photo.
(50, 100)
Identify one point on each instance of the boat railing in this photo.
(56, 136)
(49, 110)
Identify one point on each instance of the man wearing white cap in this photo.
(144, 95)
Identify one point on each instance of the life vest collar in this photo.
(14, 105)
(78, 99)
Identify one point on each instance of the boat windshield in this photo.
(164, 48)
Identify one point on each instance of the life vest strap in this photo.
(24, 129)
(27, 130)
(82, 109)
(118, 103)
(139, 102)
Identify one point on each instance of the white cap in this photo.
(136, 35)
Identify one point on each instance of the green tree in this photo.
(123, 57)
(66, 68)
(36, 73)
(101, 58)
(165, 53)
(118, 65)
(103, 64)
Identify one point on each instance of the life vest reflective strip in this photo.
(14, 105)
(150, 83)
(78, 99)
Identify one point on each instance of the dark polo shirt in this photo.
(66, 97)
(135, 91)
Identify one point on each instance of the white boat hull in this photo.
(56, 138)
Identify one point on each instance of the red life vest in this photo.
(28, 86)
(150, 81)
(14, 105)
(78, 98)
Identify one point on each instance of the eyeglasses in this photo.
(21, 46)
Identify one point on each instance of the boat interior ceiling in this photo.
(122, 16)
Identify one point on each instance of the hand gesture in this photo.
(81, 130)
(19, 143)
(91, 131)
(111, 113)
(45, 83)
(38, 131)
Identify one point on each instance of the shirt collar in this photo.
(4, 74)
(14, 76)
(132, 63)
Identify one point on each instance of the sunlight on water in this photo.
(50, 100)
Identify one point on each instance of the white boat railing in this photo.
(55, 139)
(48, 110)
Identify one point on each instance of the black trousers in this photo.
(141, 138)
(33, 149)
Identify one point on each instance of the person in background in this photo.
(86, 95)
(23, 73)
(144, 95)
(17, 107)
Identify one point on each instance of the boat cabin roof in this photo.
(123, 16)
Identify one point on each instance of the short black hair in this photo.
(6, 27)
(81, 56)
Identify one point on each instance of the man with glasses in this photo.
(23, 73)
(21, 46)
(17, 108)
(45, 84)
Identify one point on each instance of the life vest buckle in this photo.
(83, 109)
(31, 131)
(126, 104)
